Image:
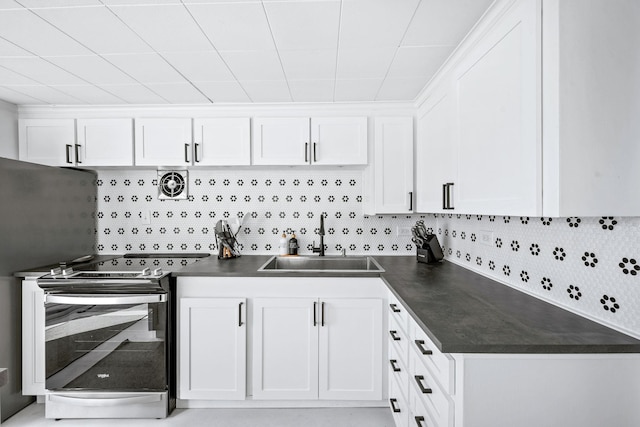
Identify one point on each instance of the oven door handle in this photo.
(105, 401)
(82, 299)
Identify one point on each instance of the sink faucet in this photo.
(321, 234)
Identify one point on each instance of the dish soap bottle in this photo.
(293, 245)
(283, 246)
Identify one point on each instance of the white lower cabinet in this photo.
(436, 389)
(328, 348)
(33, 339)
(261, 341)
(212, 348)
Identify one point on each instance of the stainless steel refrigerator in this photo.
(47, 215)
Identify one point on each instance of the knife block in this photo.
(430, 252)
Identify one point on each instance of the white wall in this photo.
(8, 130)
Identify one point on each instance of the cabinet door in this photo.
(212, 348)
(222, 141)
(435, 153)
(47, 141)
(350, 349)
(393, 165)
(33, 363)
(281, 141)
(163, 142)
(339, 140)
(105, 142)
(497, 89)
(285, 348)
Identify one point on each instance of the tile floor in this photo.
(33, 416)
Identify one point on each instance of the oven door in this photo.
(106, 342)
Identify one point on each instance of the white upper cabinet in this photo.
(391, 174)
(281, 141)
(222, 141)
(163, 142)
(497, 91)
(104, 142)
(47, 141)
(436, 155)
(303, 140)
(339, 141)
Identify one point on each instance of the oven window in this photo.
(106, 347)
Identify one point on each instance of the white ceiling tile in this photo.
(375, 23)
(140, 2)
(32, 33)
(94, 69)
(14, 96)
(312, 90)
(309, 64)
(201, 66)
(267, 91)
(9, 4)
(254, 65)
(234, 26)
(134, 94)
(39, 70)
(364, 63)
(179, 93)
(168, 28)
(304, 25)
(401, 89)
(90, 94)
(444, 22)
(9, 49)
(418, 61)
(225, 91)
(9, 77)
(49, 95)
(353, 90)
(97, 28)
(146, 68)
(59, 3)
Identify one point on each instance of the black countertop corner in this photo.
(462, 311)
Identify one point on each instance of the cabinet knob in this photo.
(394, 308)
(393, 403)
(422, 348)
(423, 389)
(394, 335)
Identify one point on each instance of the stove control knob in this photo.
(157, 272)
(146, 272)
(67, 271)
(56, 271)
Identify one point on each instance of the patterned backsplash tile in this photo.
(588, 265)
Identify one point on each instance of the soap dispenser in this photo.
(293, 245)
(283, 245)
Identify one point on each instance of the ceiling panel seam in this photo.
(286, 80)
(404, 34)
(335, 71)
(217, 52)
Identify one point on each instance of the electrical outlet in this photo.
(486, 237)
(403, 231)
(145, 217)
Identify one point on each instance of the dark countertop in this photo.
(462, 311)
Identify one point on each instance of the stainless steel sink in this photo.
(318, 264)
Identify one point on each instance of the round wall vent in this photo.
(172, 185)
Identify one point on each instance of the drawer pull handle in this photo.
(423, 389)
(394, 335)
(420, 421)
(394, 308)
(423, 350)
(395, 368)
(393, 402)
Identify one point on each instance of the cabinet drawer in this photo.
(398, 404)
(398, 312)
(419, 415)
(398, 370)
(427, 391)
(398, 340)
(440, 364)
